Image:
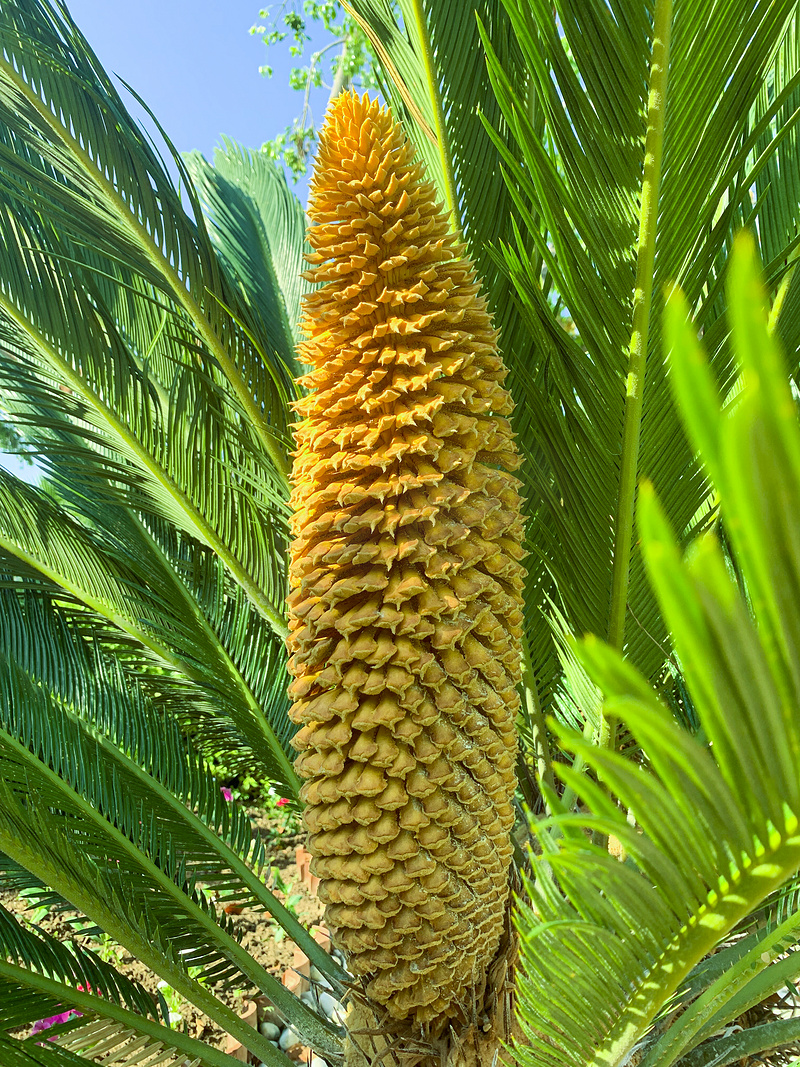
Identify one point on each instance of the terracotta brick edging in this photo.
(297, 977)
(303, 859)
(297, 980)
(250, 1015)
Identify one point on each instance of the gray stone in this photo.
(288, 1039)
(328, 1003)
(319, 978)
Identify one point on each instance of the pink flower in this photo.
(54, 1020)
(226, 793)
(65, 1016)
(281, 802)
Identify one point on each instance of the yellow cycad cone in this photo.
(405, 602)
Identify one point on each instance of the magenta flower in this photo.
(281, 802)
(226, 793)
(65, 1016)
(55, 1020)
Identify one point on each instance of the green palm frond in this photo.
(34, 835)
(103, 801)
(41, 977)
(433, 73)
(109, 722)
(710, 831)
(170, 598)
(97, 1040)
(578, 192)
(21, 1054)
(128, 351)
(772, 140)
(173, 445)
(562, 112)
(64, 962)
(70, 141)
(774, 176)
(259, 226)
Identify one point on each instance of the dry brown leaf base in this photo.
(478, 1035)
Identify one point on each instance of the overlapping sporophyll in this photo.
(406, 580)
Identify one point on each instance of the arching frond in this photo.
(709, 830)
(258, 225)
(21, 1054)
(62, 962)
(103, 800)
(590, 67)
(69, 140)
(127, 345)
(169, 443)
(173, 601)
(41, 977)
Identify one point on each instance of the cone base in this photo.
(477, 1035)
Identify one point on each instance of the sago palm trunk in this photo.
(405, 601)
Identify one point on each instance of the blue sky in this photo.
(196, 65)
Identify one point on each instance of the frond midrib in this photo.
(199, 827)
(103, 912)
(197, 523)
(745, 888)
(154, 255)
(91, 1005)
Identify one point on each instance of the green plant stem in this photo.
(442, 143)
(89, 1004)
(318, 956)
(533, 708)
(744, 1046)
(192, 608)
(128, 623)
(106, 914)
(642, 300)
(745, 983)
(307, 1022)
(746, 889)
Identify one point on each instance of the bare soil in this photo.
(256, 931)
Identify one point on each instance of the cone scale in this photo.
(405, 581)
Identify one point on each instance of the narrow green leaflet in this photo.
(578, 189)
(114, 565)
(70, 136)
(41, 977)
(258, 225)
(60, 961)
(18, 1054)
(98, 801)
(710, 830)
